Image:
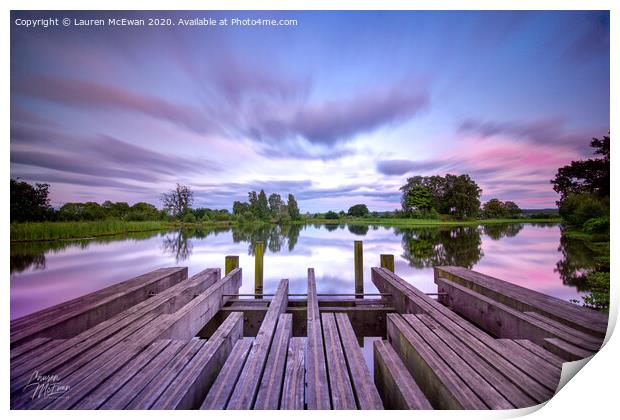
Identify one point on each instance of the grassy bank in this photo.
(424, 222)
(48, 231)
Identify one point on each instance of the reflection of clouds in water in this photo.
(528, 258)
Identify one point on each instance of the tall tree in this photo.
(585, 176)
(462, 195)
(417, 199)
(494, 209)
(178, 200)
(275, 204)
(29, 203)
(293, 209)
(262, 206)
(358, 210)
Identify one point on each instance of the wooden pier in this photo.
(166, 341)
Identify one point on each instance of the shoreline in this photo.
(69, 231)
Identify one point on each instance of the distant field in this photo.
(427, 222)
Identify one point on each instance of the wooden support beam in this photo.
(258, 268)
(504, 321)
(387, 262)
(316, 370)
(518, 370)
(230, 263)
(244, 395)
(75, 316)
(526, 300)
(358, 259)
(396, 386)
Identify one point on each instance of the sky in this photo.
(339, 109)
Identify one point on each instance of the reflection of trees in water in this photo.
(429, 247)
(25, 255)
(577, 262)
(499, 231)
(178, 244)
(273, 236)
(360, 230)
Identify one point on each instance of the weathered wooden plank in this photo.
(502, 320)
(101, 394)
(168, 301)
(340, 386)
(189, 388)
(293, 386)
(244, 394)
(186, 322)
(366, 393)
(525, 300)
(74, 370)
(66, 363)
(219, 393)
(142, 377)
(550, 367)
(34, 353)
(316, 370)
(479, 384)
(519, 370)
(541, 352)
(268, 397)
(397, 388)
(444, 389)
(28, 347)
(73, 317)
(145, 399)
(575, 335)
(81, 383)
(483, 366)
(565, 350)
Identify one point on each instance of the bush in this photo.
(331, 215)
(598, 284)
(189, 218)
(597, 225)
(577, 209)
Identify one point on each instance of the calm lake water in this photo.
(531, 255)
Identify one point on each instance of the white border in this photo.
(592, 394)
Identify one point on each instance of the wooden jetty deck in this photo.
(166, 341)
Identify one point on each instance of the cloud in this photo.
(403, 166)
(331, 122)
(102, 156)
(82, 93)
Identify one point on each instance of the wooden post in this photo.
(230, 263)
(258, 269)
(387, 261)
(359, 269)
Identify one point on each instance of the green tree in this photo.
(462, 195)
(275, 204)
(494, 209)
(253, 202)
(331, 215)
(178, 200)
(585, 176)
(262, 206)
(115, 210)
(240, 208)
(30, 203)
(358, 210)
(293, 209)
(512, 209)
(417, 199)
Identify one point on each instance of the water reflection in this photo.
(428, 247)
(535, 256)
